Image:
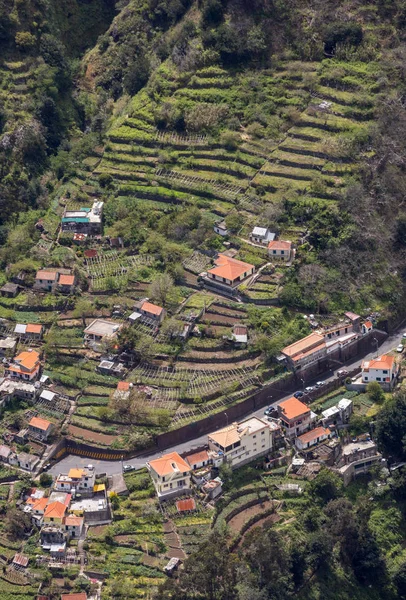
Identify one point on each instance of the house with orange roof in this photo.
(312, 438)
(77, 481)
(29, 331)
(170, 475)
(152, 311)
(383, 369)
(55, 512)
(280, 250)
(229, 271)
(73, 526)
(295, 417)
(46, 280)
(26, 365)
(39, 428)
(240, 443)
(38, 508)
(305, 351)
(367, 327)
(66, 283)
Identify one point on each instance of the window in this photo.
(385, 372)
(378, 379)
(282, 251)
(366, 378)
(254, 436)
(273, 251)
(263, 445)
(262, 432)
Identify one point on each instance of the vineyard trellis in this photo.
(224, 189)
(175, 138)
(196, 263)
(113, 264)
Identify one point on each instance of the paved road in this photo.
(113, 467)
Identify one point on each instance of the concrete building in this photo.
(73, 526)
(46, 281)
(170, 475)
(338, 414)
(85, 220)
(357, 458)
(29, 331)
(100, 330)
(240, 443)
(312, 438)
(76, 481)
(9, 290)
(280, 250)
(305, 351)
(383, 369)
(262, 235)
(295, 416)
(15, 388)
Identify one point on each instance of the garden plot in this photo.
(196, 263)
(175, 139)
(59, 406)
(226, 190)
(113, 267)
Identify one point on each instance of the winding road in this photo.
(114, 467)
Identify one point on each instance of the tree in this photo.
(161, 289)
(25, 40)
(399, 580)
(375, 392)
(45, 479)
(326, 486)
(234, 221)
(391, 427)
(17, 523)
(84, 308)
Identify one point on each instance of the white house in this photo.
(367, 327)
(261, 235)
(312, 437)
(221, 229)
(100, 330)
(170, 475)
(383, 369)
(230, 271)
(77, 481)
(280, 250)
(240, 443)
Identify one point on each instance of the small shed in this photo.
(20, 562)
(9, 290)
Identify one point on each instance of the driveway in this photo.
(113, 467)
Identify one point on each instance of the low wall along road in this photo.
(269, 393)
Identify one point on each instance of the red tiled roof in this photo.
(33, 328)
(188, 504)
(279, 245)
(123, 386)
(368, 324)
(66, 280)
(48, 275)
(383, 362)
(55, 510)
(90, 253)
(27, 359)
(39, 423)
(309, 436)
(293, 408)
(169, 464)
(310, 342)
(40, 504)
(240, 329)
(197, 457)
(230, 268)
(79, 596)
(153, 309)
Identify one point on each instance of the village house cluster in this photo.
(65, 512)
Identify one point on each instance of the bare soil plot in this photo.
(238, 521)
(91, 436)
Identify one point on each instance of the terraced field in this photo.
(325, 109)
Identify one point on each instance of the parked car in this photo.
(404, 336)
(400, 348)
(309, 389)
(342, 372)
(320, 384)
(298, 394)
(268, 411)
(127, 468)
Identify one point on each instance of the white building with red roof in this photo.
(280, 250)
(383, 369)
(40, 428)
(312, 438)
(170, 475)
(152, 311)
(230, 271)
